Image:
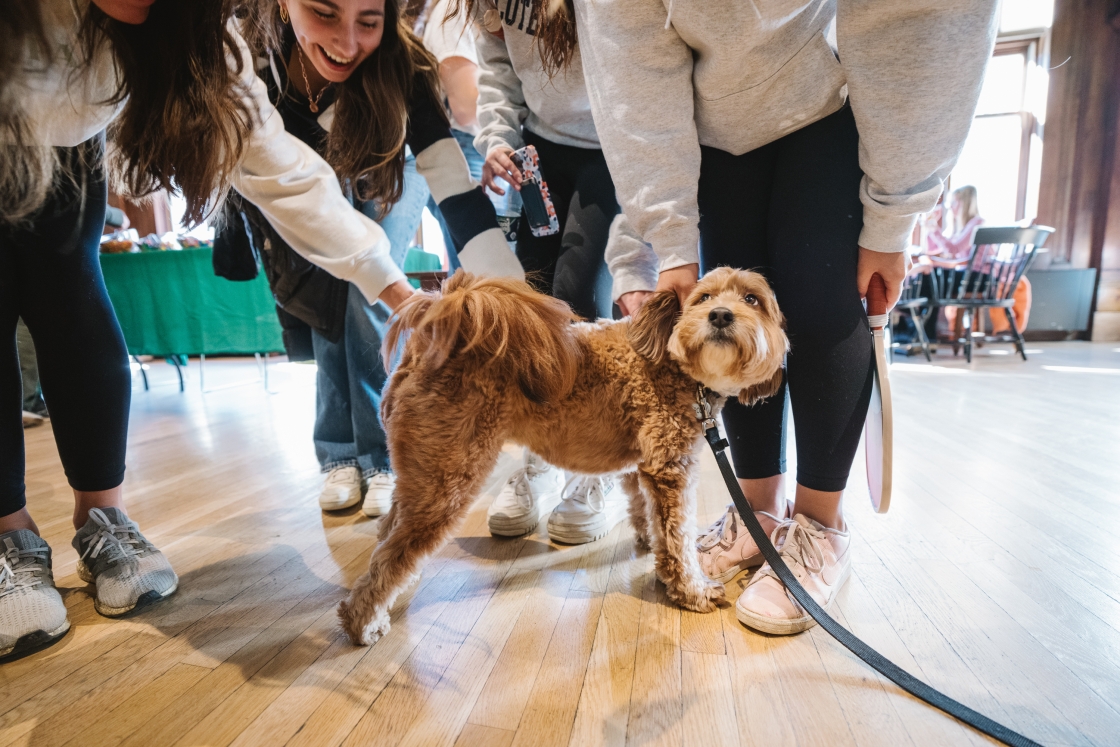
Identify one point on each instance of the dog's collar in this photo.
(703, 407)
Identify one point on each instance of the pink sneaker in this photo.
(819, 559)
(727, 549)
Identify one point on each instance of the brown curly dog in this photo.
(491, 360)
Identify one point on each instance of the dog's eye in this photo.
(751, 299)
(704, 298)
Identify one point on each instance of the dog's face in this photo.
(729, 336)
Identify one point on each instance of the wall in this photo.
(1080, 191)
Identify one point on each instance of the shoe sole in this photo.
(341, 506)
(376, 510)
(581, 535)
(520, 527)
(511, 528)
(38, 640)
(773, 626)
(145, 600)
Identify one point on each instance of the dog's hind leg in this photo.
(672, 508)
(387, 522)
(437, 482)
(639, 510)
(427, 513)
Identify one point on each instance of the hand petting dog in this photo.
(489, 360)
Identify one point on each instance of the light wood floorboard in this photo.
(995, 576)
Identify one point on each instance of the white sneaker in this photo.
(31, 419)
(820, 559)
(528, 493)
(127, 571)
(727, 548)
(342, 490)
(591, 508)
(32, 614)
(379, 494)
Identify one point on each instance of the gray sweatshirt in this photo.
(666, 77)
(513, 88)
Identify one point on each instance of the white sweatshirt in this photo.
(513, 89)
(294, 188)
(666, 77)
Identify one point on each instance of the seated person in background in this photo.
(954, 250)
(964, 218)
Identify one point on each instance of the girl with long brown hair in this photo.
(193, 118)
(351, 79)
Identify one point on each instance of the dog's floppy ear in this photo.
(653, 325)
(763, 389)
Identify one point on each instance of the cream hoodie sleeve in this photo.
(639, 79)
(299, 194)
(501, 102)
(631, 261)
(914, 71)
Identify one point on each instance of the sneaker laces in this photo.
(799, 549)
(522, 491)
(722, 533)
(15, 572)
(118, 541)
(590, 490)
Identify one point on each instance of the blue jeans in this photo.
(348, 430)
(403, 218)
(474, 163)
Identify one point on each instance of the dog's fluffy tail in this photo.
(522, 337)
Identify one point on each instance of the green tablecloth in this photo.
(171, 303)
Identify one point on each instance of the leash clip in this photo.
(703, 409)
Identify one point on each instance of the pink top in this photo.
(957, 246)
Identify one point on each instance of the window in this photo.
(1002, 156)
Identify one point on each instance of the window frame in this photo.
(1034, 45)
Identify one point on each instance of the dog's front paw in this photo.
(362, 630)
(702, 597)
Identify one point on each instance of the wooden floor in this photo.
(996, 576)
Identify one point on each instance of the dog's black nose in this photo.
(720, 317)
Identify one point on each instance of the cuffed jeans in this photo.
(348, 430)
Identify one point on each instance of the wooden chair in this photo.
(919, 307)
(987, 279)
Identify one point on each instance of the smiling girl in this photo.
(350, 79)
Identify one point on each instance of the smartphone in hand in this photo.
(539, 210)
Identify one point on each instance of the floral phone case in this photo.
(539, 209)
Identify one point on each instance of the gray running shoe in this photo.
(130, 573)
(32, 614)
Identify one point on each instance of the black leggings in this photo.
(51, 276)
(791, 210)
(569, 265)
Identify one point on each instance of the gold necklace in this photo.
(311, 102)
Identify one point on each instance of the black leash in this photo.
(870, 656)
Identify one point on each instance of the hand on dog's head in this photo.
(729, 336)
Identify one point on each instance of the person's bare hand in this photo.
(630, 302)
(499, 165)
(396, 293)
(681, 280)
(891, 266)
